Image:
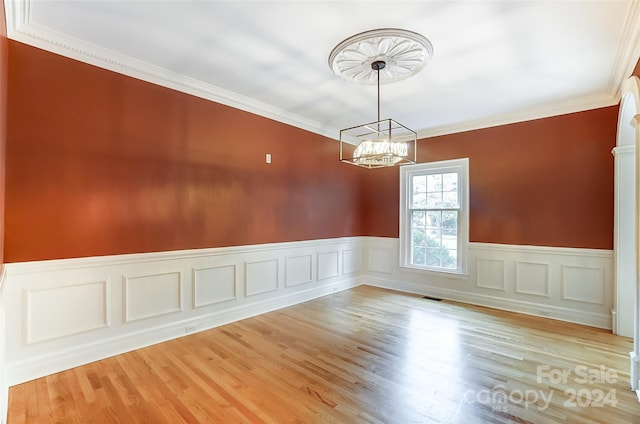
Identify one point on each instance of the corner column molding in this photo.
(623, 314)
(627, 260)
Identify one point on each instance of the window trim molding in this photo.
(406, 171)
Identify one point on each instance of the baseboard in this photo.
(511, 305)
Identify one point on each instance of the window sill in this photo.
(436, 273)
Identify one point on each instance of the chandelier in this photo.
(375, 57)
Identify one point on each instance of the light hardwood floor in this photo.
(364, 355)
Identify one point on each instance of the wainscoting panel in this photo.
(152, 295)
(382, 259)
(65, 313)
(76, 308)
(583, 284)
(532, 278)
(567, 284)
(351, 261)
(298, 270)
(261, 277)
(327, 265)
(214, 285)
(490, 273)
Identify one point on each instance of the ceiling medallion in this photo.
(404, 53)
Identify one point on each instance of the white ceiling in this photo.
(494, 62)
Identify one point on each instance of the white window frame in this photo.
(461, 166)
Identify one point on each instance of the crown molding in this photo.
(20, 28)
(580, 104)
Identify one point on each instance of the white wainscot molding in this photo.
(214, 285)
(532, 278)
(65, 313)
(327, 265)
(298, 270)
(150, 296)
(79, 308)
(351, 261)
(568, 284)
(261, 277)
(490, 274)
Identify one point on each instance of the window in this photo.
(434, 216)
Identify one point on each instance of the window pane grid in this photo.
(434, 207)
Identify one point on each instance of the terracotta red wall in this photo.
(547, 182)
(99, 163)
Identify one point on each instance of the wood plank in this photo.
(363, 355)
